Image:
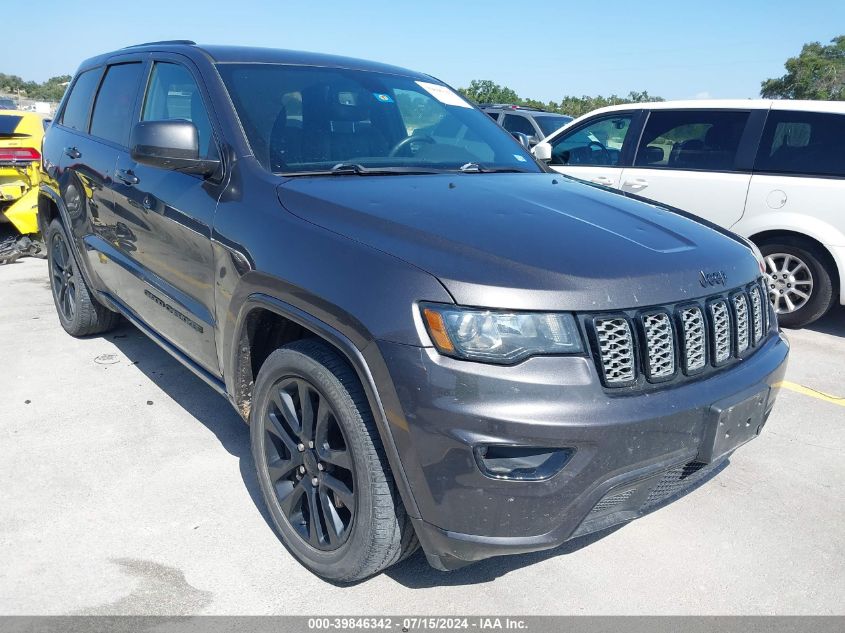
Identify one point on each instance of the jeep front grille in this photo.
(721, 331)
(616, 347)
(651, 345)
(695, 338)
(757, 314)
(660, 345)
(740, 302)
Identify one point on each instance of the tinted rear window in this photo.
(112, 116)
(551, 124)
(79, 101)
(8, 123)
(810, 143)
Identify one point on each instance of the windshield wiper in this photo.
(356, 169)
(478, 168)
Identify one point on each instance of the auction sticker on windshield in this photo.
(443, 94)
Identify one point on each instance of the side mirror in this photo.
(543, 151)
(172, 145)
(523, 139)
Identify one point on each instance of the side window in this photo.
(75, 114)
(803, 143)
(518, 123)
(493, 115)
(599, 143)
(173, 94)
(112, 116)
(691, 139)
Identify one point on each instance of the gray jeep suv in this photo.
(435, 341)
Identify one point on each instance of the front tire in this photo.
(79, 312)
(322, 467)
(798, 280)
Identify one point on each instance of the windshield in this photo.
(306, 119)
(550, 123)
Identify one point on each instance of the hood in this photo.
(526, 241)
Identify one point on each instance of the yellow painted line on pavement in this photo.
(818, 395)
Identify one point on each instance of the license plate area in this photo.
(733, 423)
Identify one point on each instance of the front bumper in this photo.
(629, 449)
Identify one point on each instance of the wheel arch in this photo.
(834, 266)
(252, 345)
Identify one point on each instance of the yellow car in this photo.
(20, 173)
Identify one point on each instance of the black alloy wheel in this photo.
(63, 277)
(308, 463)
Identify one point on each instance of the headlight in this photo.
(500, 337)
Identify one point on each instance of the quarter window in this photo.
(173, 94)
(112, 116)
(691, 139)
(78, 103)
(803, 143)
(599, 143)
(518, 123)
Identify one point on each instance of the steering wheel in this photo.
(605, 155)
(414, 138)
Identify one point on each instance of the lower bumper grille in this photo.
(628, 501)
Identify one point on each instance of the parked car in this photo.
(534, 123)
(424, 330)
(772, 171)
(20, 174)
(8, 104)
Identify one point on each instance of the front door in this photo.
(170, 216)
(593, 151)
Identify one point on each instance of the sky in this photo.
(543, 50)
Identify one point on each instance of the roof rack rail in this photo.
(513, 106)
(186, 42)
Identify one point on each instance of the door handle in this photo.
(636, 183)
(603, 180)
(127, 177)
(72, 152)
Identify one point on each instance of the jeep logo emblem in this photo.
(718, 278)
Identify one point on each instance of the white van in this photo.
(772, 171)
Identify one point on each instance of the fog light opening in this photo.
(523, 463)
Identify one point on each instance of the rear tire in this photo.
(798, 279)
(357, 525)
(79, 313)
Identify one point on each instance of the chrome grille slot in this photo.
(741, 311)
(721, 331)
(695, 339)
(756, 314)
(660, 345)
(616, 349)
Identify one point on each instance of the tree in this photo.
(50, 90)
(488, 91)
(817, 73)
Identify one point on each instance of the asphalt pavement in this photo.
(127, 487)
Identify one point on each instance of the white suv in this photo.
(772, 171)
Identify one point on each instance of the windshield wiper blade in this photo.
(361, 170)
(478, 168)
(356, 169)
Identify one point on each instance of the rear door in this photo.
(108, 242)
(168, 216)
(688, 159)
(595, 150)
